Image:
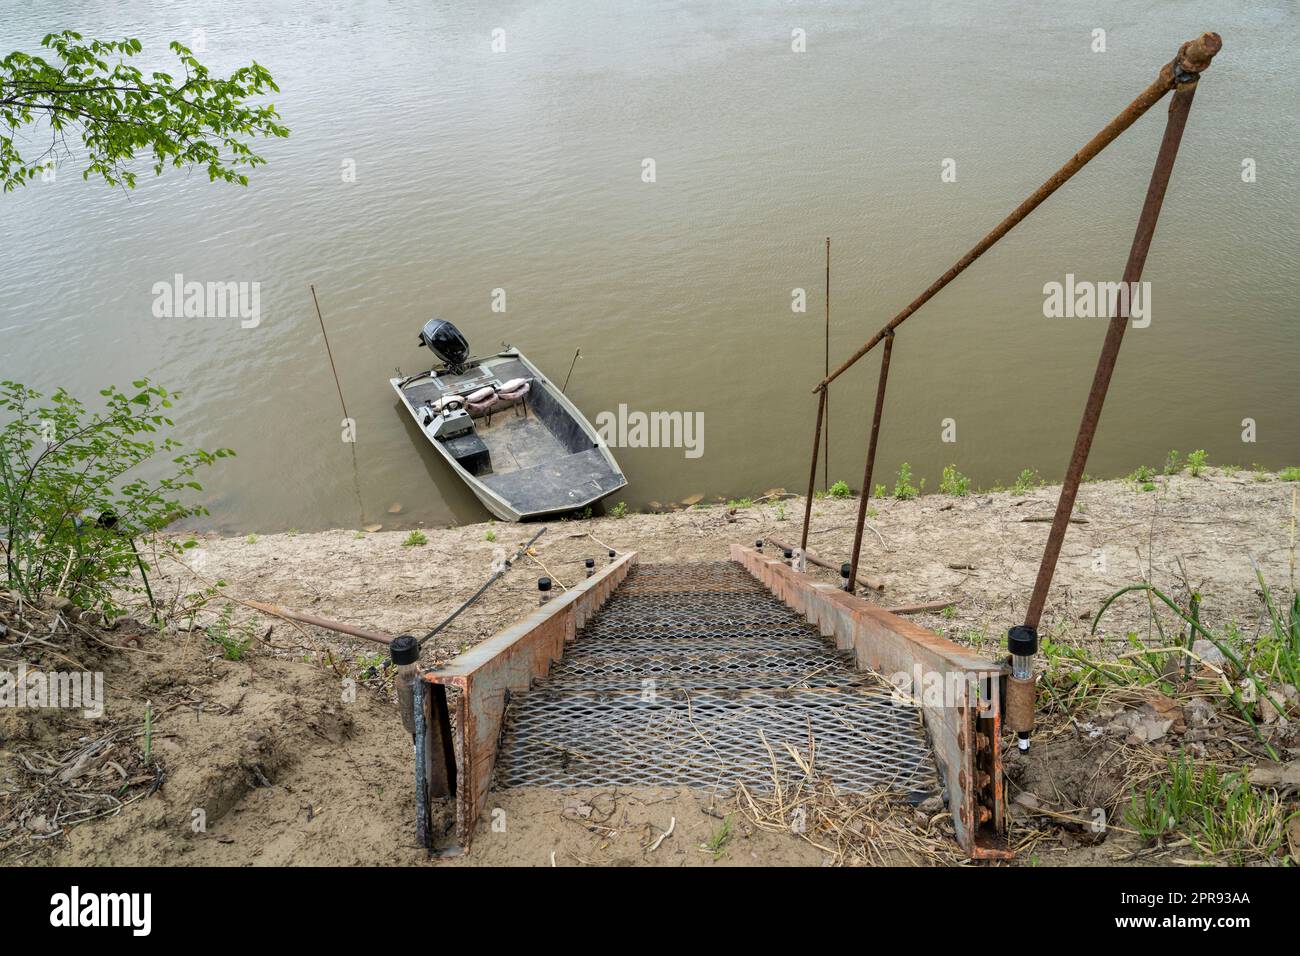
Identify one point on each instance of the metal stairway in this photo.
(696, 675)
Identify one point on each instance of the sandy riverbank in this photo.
(285, 769)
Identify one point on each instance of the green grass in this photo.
(1291, 473)
(1220, 813)
(1250, 666)
(741, 503)
(953, 482)
(1196, 462)
(880, 491)
(233, 641)
(415, 539)
(716, 843)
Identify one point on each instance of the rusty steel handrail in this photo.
(1192, 57)
(1179, 107)
(1181, 74)
(871, 456)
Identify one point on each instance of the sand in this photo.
(295, 753)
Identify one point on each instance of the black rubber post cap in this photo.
(611, 552)
(845, 569)
(404, 649)
(543, 584)
(1022, 641)
(759, 544)
(590, 562)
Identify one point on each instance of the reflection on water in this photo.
(522, 171)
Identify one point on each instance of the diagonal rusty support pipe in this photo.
(871, 458)
(1193, 57)
(812, 471)
(1146, 227)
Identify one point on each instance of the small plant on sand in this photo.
(619, 510)
(233, 641)
(1291, 473)
(880, 491)
(251, 539)
(415, 539)
(840, 489)
(1026, 482)
(1173, 464)
(1143, 475)
(490, 535)
(1220, 814)
(1196, 462)
(716, 843)
(780, 511)
(953, 482)
(740, 503)
(904, 490)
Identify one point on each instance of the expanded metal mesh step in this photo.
(696, 675)
(743, 667)
(708, 739)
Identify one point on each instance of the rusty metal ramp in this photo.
(697, 675)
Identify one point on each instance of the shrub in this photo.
(1196, 462)
(415, 539)
(904, 490)
(840, 489)
(1026, 481)
(953, 482)
(619, 510)
(71, 500)
(1173, 465)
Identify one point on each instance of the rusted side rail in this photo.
(956, 689)
(487, 674)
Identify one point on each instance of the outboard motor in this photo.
(446, 342)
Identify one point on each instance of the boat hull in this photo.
(542, 456)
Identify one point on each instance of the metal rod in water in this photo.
(329, 352)
(576, 355)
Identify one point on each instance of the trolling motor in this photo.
(446, 341)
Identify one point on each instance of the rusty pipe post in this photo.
(1178, 110)
(812, 470)
(1192, 57)
(871, 456)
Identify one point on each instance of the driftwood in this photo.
(276, 611)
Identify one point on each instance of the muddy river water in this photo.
(653, 183)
